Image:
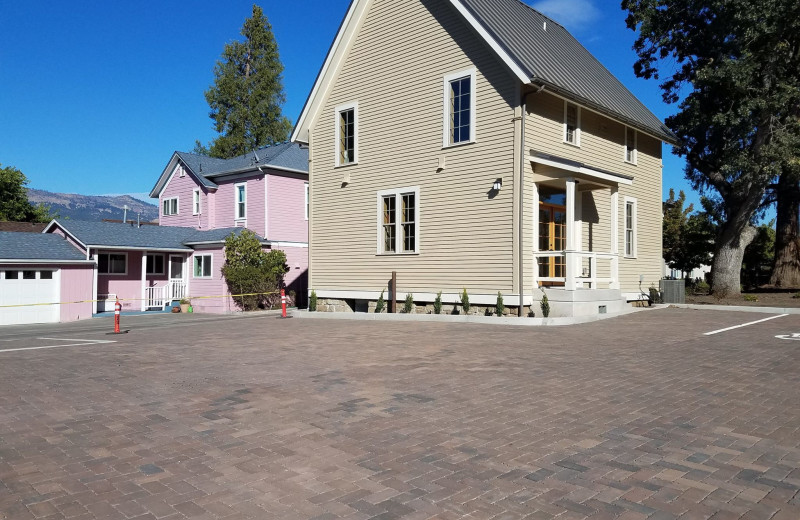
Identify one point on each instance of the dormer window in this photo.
(572, 123)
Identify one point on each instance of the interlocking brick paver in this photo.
(636, 418)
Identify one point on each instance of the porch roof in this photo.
(604, 176)
(114, 235)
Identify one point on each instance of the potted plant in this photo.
(185, 304)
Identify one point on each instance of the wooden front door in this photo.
(552, 237)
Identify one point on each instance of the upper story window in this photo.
(347, 134)
(459, 108)
(155, 264)
(572, 123)
(398, 226)
(630, 227)
(112, 263)
(169, 206)
(307, 207)
(630, 145)
(196, 202)
(240, 209)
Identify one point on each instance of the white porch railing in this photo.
(162, 295)
(580, 269)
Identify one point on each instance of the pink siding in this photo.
(127, 287)
(213, 287)
(183, 188)
(60, 232)
(296, 279)
(286, 206)
(76, 285)
(224, 204)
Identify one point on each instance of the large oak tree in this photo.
(733, 66)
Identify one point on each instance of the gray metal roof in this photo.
(37, 246)
(554, 58)
(118, 235)
(287, 156)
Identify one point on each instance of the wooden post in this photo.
(393, 293)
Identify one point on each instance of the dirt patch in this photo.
(763, 299)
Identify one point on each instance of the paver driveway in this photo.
(637, 417)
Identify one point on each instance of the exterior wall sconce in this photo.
(498, 183)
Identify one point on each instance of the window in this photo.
(572, 123)
(202, 266)
(155, 264)
(12, 275)
(398, 221)
(306, 189)
(630, 227)
(196, 202)
(45, 275)
(630, 145)
(459, 108)
(347, 134)
(29, 275)
(112, 263)
(170, 206)
(240, 211)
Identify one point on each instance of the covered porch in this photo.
(576, 255)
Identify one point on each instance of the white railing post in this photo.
(593, 271)
(570, 259)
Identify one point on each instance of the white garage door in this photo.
(26, 286)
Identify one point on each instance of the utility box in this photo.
(672, 291)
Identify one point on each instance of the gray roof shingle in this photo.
(553, 57)
(37, 246)
(112, 234)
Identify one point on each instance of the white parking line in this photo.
(744, 325)
(84, 342)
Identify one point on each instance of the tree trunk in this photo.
(786, 269)
(735, 235)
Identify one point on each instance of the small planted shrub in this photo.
(408, 305)
(465, 301)
(796, 295)
(499, 307)
(380, 304)
(701, 288)
(312, 301)
(655, 295)
(750, 298)
(437, 303)
(545, 306)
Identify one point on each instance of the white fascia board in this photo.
(156, 191)
(582, 170)
(255, 170)
(136, 248)
(65, 230)
(335, 57)
(284, 243)
(496, 47)
(43, 261)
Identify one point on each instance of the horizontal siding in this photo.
(224, 204)
(286, 208)
(183, 187)
(601, 146)
(465, 238)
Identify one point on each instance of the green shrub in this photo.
(380, 304)
(465, 301)
(701, 288)
(437, 303)
(796, 295)
(655, 295)
(499, 307)
(750, 298)
(545, 306)
(408, 306)
(312, 301)
(250, 270)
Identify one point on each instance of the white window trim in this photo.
(124, 253)
(210, 263)
(177, 207)
(635, 146)
(471, 72)
(196, 205)
(397, 221)
(307, 209)
(635, 245)
(577, 127)
(236, 216)
(163, 265)
(338, 110)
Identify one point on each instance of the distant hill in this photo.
(93, 207)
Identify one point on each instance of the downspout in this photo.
(521, 209)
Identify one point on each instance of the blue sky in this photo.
(95, 96)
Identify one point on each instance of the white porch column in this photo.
(571, 258)
(614, 238)
(535, 234)
(144, 280)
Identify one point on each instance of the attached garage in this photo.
(43, 279)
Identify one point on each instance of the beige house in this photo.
(475, 144)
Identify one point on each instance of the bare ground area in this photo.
(763, 298)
